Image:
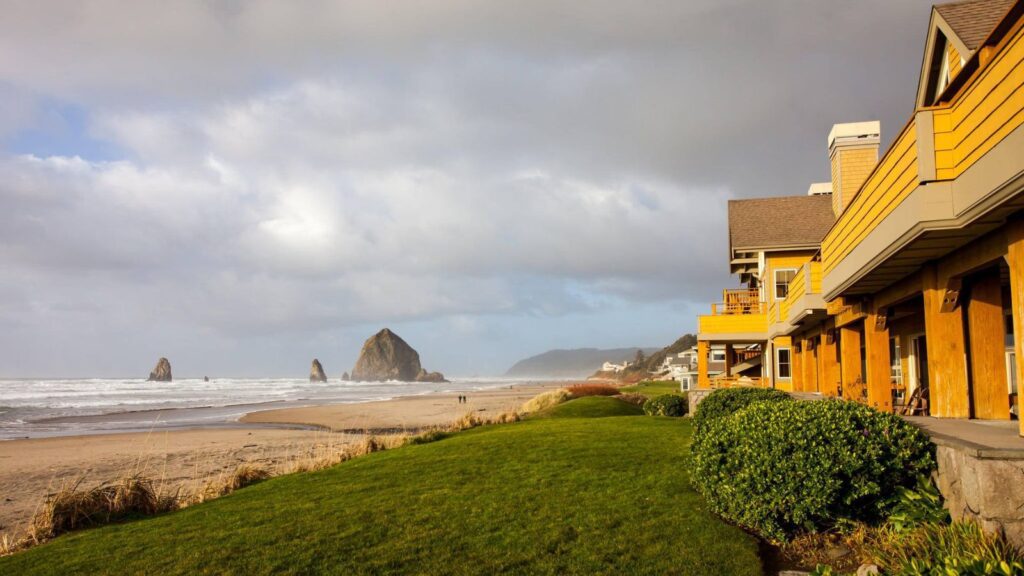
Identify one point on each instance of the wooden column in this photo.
(849, 360)
(728, 360)
(989, 393)
(828, 358)
(796, 365)
(947, 356)
(703, 381)
(810, 348)
(876, 350)
(1015, 258)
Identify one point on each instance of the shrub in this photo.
(633, 398)
(581, 390)
(546, 400)
(781, 468)
(724, 402)
(940, 548)
(913, 507)
(666, 405)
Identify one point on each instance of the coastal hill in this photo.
(578, 363)
(651, 361)
(385, 356)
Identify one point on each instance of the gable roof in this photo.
(973, 20)
(779, 222)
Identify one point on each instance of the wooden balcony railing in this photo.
(741, 301)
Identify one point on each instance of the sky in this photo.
(244, 186)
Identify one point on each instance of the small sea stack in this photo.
(316, 372)
(162, 372)
(345, 377)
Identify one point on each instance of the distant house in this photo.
(615, 368)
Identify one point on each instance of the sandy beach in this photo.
(32, 468)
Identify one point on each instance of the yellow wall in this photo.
(732, 323)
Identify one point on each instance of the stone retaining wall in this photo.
(695, 396)
(983, 485)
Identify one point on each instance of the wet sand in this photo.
(30, 469)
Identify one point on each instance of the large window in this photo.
(782, 363)
(782, 280)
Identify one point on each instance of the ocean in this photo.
(40, 408)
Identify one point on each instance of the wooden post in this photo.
(796, 365)
(1015, 258)
(828, 357)
(947, 356)
(876, 349)
(703, 381)
(849, 360)
(810, 349)
(989, 393)
(728, 360)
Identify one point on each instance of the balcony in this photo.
(740, 316)
(973, 137)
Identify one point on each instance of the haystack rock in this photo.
(385, 356)
(316, 372)
(345, 377)
(162, 372)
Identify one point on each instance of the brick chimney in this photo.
(853, 151)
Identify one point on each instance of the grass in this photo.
(561, 494)
(652, 388)
(592, 407)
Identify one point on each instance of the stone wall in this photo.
(983, 485)
(696, 396)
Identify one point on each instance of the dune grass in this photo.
(652, 388)
(564, 494)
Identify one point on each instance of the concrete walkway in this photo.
(980, 438)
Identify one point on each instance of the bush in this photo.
(581, 390)
(633, 398)
(666, 405)
(781, 468)
(724, 402)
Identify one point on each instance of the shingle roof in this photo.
(779, 222)
(974, 20)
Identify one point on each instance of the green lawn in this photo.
(558, 495)
(654, 388)
(592, 407)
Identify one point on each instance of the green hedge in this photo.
(781, 468)
(721, 403)
(667, 405)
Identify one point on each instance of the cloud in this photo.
(261, 171)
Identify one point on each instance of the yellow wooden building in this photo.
(914, 292)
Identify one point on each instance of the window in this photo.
(896, 365)
(782, 366)
(718, 355)
(782, 280)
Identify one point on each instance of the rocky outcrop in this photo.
(316, 372)
(425, 376)
(385, 356)
(162, 372)
(345, 377)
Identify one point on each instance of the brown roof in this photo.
(783, 221)
(974, 20)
